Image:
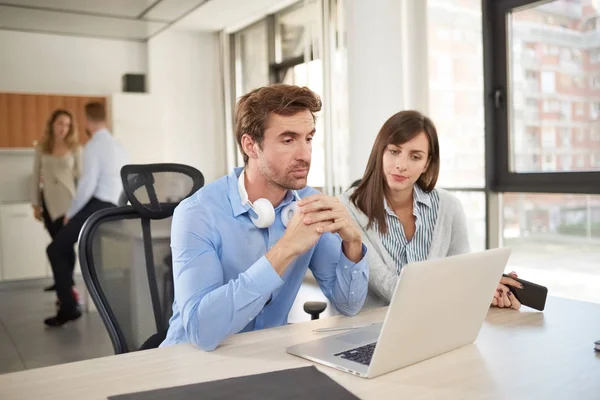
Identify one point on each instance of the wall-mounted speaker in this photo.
(135, 83)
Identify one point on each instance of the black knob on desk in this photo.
(314, 308)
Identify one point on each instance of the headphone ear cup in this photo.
(265, 213)
(288, 212)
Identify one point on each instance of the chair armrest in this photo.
(314, 308)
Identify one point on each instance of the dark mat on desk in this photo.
(297, 383)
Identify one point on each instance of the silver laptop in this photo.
(438, 306)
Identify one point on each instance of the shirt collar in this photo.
(419, 196)
(238, 197)
(100, 133)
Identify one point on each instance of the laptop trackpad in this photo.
(359, 337)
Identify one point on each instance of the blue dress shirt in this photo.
(223, 281)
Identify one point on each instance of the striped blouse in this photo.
(425, 209)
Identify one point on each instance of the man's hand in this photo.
(37, 212)
(297, 239)
(65, 220)
(320, 209)
(504, 298)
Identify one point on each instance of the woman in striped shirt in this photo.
(403, 217)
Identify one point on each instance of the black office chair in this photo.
(122, 252)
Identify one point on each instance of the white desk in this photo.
(518, 355)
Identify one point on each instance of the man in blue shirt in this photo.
(240, 253)
(99, 187)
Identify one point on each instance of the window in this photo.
(455, 93)
(564, 105)
(595, 134)
(566, 163)
(548, 82)
(580, 161)
(565, 110)
(284, 47)
(595, 82)
(595, 110)
(565, 55)
(548, 137)
(554, 241)
(549, 163)
(252, 60)
(565, 137)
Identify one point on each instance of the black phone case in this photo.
(532, 295)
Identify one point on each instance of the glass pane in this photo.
(555, 87)
(252, 59)
(555, 240)
(456, 89)
(311, 75)
(296, 28)
(474, 205)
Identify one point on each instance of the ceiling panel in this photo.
(122, 8)
(173, 9)
(229, 14)
(21, 19)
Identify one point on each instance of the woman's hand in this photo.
(37, 213)
(504, 298)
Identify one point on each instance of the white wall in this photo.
(42, 63)
(184, 78)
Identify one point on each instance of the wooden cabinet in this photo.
(23, 117)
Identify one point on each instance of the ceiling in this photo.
(118, 19)
(137, 20)
(230, 15)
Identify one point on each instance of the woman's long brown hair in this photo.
(373, 188)
(47, 141)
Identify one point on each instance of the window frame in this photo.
(499, 177)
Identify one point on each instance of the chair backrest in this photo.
(123, 251)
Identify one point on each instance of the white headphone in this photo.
(265, 213)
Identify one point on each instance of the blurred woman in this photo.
(57, 167)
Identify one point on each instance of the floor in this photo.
(25, 342)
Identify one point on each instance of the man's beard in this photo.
(284, 180)
(88, 133)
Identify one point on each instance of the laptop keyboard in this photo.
(362, 354)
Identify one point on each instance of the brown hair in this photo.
(373, 188)
(95, 112)
(254, 108)
(47, 142)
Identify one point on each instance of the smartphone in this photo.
(532, 295)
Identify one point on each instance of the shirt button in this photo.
(345, 267)
(249, 319)
(354, 272)
(351, 292)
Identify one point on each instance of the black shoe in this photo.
(62, 318)
(50, 288)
